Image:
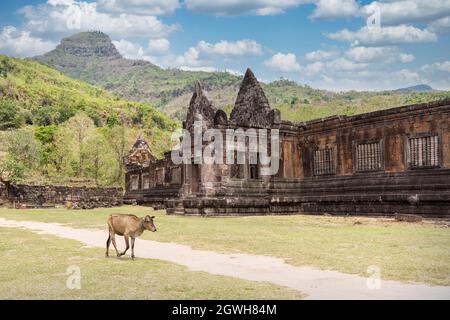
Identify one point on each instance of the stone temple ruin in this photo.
(379, 163)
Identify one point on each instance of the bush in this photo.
(45, 116)
(5, 68)
(11, 115)
(113, 120)
(45, 134)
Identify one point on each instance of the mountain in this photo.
(92, 57)
(417, 88)
(34, 94)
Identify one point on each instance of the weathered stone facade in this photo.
(395, 161)
(73, 197)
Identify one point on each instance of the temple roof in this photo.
(200, 109)
(139, 154)
(251, 108)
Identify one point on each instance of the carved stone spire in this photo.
(251, 108)
(200, 109)
(140, 154)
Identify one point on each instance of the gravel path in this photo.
(315, 283)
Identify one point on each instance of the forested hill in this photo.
(92, 57)
(40, 95)
(53, 125)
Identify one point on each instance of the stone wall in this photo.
(393, 161)
(72, 197)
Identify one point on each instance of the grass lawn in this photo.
(403, 251)
(34, 267)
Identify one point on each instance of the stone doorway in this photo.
(195, 178)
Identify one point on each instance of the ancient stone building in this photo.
(378, 163)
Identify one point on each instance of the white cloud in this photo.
(129, 49)
(360, 68)
(191, 58)
(334, 67)
(315, 67)
(156, 52)
(406, 57)
(211, 69)
(335, 9)
(437, 74)
(226, 48)
(378, 54)
(159, 45)
(367, 79)
(320, 55)
(407, 76)
(204, 69)
(283, 62)
(441, 25)
(139, 7)
(239, 7)
(384, 35)
(234, 72)
(408, 11)
(21, 44)
(437, 66)
(66, 16)
(205, 54)
(343, 64)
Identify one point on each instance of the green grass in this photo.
(403, 251)
(34, 267)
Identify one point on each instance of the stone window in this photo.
(423, 151)
(160, 176)
(368, 156)
(146, 181)
(253, 167)
(237, 171)
(324, 162)
(134, 182)
(175, 175)
(288, 157)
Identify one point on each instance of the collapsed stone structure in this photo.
(395, 161)
(74, 197)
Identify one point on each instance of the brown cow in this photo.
(128, 226)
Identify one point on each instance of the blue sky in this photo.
(323, 43)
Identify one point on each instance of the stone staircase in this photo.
(175, 207)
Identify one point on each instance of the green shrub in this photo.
(11, 115)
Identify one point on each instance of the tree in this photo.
(70, 142)
(294, 101)
(24, 153)
(46, 136)
(99, 159)
(120, 140)
(64, 155)
(11, 115)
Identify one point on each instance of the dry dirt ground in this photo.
(315, 283)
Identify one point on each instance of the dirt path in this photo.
(316, 283)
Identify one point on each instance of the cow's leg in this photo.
(127, 244)
(113, 239)
(132, 248)
(108, 242)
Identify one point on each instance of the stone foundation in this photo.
(71, 197)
